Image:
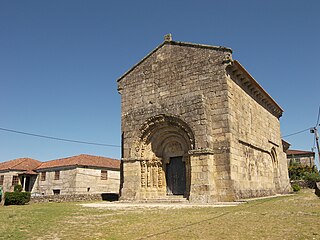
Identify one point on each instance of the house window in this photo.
(56, 175)
(43, 176)
(15, 180)
(104, 175)
(1, 179)
(56, 191)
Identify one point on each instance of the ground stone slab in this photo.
(139, 205)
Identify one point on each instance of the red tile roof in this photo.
(299, 152)
(21, 164)
(82, 160)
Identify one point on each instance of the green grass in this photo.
(291, 217)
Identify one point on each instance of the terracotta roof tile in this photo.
(299, 152)
(23, 164)
(82, 160)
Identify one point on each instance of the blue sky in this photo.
(59, 62)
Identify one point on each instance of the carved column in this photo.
(143, 173)
(148, 174)
(159, 166)
(154, 173)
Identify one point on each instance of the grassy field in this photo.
(290, 217)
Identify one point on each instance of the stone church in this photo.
(195, 123)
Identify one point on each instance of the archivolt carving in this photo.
(162, 120)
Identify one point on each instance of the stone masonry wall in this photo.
(66, 182)
(254, 133)
(78, 181)
(7, 183)
(89, 178)
(187, 82)
(174, 81)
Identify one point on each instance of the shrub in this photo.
(311, 179)
(298, 171)
(313, 176)
(309, 175)
(16, 198)
(18, 188)
(296, 187)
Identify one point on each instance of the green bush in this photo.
(18, 188)
(313, 176)
(300, 172)
(309, 175)
(296, 188)
(16, 198)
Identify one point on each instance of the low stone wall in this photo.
(75, 198)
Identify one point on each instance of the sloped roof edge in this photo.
(19, 164)
(81, 160)
(186, 44)
(276, 109)
(299, 152)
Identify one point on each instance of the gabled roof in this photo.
(247, 81)
(171, 42)
(20, 164)
(82, 160)
(299, 152)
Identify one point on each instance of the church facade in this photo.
(195, 123)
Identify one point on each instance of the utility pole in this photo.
(315, 131)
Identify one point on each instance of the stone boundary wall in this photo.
(74, 198)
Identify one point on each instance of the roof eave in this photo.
(277, 110)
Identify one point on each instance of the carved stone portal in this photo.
(162, 138)
(151, 173)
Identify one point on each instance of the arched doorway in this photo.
(164, 142)
(176, 176)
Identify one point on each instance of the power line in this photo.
(307, 129)
(59, 139)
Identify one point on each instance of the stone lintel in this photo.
(203, 151)
(133, 159)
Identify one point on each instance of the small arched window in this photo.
(274, 157)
